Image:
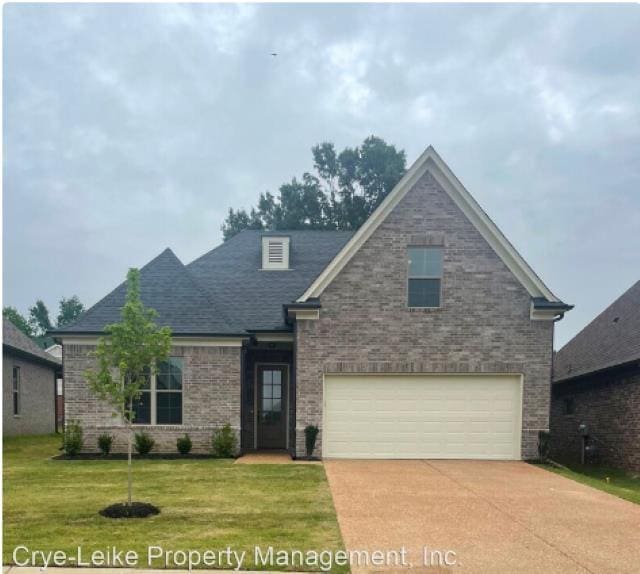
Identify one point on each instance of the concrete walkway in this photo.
(498, 517)
(271, 457)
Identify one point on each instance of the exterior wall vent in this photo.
(275, 252)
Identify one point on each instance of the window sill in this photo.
(423, 309)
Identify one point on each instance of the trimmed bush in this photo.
(104, 443)
(224, 442)
(144, 443)
(310, 436)
(72, 440)
(184, 444)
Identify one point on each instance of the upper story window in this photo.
(16, 390)
(161, 400)
(275, 252)
(425, 276)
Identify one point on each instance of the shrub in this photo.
(144, 443)
(184, 444)
(310, 436)
(104, 443)
(72, 438)
(224, 442)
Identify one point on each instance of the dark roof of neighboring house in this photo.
(224, 291)
(14, 340)
(611, 339)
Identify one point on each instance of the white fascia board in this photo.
(305, 314)
(432, 162)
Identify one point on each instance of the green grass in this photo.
(205, 504)
(620, 483)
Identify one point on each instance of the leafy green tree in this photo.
(18, 320)
(39, 319)
(126, 356)
(341, 194)
(70, 309)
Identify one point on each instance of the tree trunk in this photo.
(129, 448)
(129, 481)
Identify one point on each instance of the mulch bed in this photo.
(123, 456)
(136, 510)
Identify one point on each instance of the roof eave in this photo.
(598, 371)
(31, 357)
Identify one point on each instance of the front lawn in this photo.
(620, 483)
(205, 504)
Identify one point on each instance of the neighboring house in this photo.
(56, 351)
(29, 384)
(596, 382)
(422, 335)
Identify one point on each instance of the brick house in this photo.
(28, 384)
(422, 335)
(596, 382)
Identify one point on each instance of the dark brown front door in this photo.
(272, 406)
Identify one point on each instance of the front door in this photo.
(272, 406)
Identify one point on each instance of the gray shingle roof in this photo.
(611, 339)
(232, 275)
(14, 339)
(224, 291)
(168, 287)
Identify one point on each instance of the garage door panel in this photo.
(422, 416)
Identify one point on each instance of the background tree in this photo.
(18, 320)
(69, 310)
(126, 356)
(342, 192)
(39, 319)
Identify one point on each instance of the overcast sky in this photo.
(128, 129)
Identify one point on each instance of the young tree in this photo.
(18, 320)
(39, 319)
(69, 310)
(341, 194)
(126, 356)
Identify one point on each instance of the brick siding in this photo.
(609, 404)
(482, 326)
(37, 398)
(210, 396)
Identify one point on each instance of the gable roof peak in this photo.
(431, 161)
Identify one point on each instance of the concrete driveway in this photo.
(496, 516)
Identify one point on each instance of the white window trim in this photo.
(409, 277)
(154, 401)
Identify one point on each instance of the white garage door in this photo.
(422, 416)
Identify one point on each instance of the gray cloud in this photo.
(129, 128)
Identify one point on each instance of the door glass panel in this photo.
(271, 395)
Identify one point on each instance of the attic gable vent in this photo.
(275, 252)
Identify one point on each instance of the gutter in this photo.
(543, 304)
(59, 334)
(289, 309)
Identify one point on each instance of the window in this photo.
(16, 390)
(161, 399)
(425, 276)
(568, 406)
